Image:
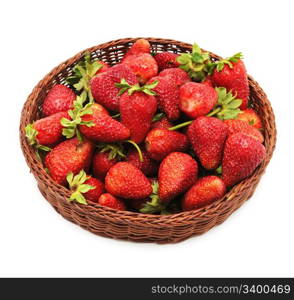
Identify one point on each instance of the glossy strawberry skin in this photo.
(139, 47)
(235, 126)
(106, 129)
(233, 79)
(177, 173)
(251, 117)
(101, 164)
(242, 155)
(103, 86)
(143, 65)
(148, 166)
(166, 60)
(50, 129)
(59, 98)
(163, 123)
(197, 99)
(167, 94)
(93, 195)
(161, 142)
(207, 136)
(205, 191)
(126, 181)
(109, 200)
(177, 75)
(137, 111)
(68, 156)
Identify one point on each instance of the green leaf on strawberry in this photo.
(113, 150)
(219, 65)
(147, 88)
(78, 187)
(83, 72)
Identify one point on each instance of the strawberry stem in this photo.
(180, 125)
(138, 149)
(214, 112)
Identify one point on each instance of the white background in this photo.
(257, 240)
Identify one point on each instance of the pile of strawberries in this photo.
(157, 133)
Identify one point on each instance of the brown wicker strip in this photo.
(125, 224)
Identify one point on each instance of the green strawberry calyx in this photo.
(114, 150)
(83, 72)
(31, 135)
(147, 88)
(78, 187)
(197, 63)
(227, 106)
(154, 206)
(219, 65)
(158, 117)
(71, 126)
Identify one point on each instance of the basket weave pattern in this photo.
(125, 224)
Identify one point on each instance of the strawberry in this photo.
(167, 94)
(83, 72)
(163, 123)
(143, 65)
(242, 155)
(84, 187)
(231, 74)
(137, 108)
(251, 117)
(235, 126)
(139, 47)
(207, 136)
(102, 127)
(205, 191)
(166, 60)
(111, 201)
(68, 156)
(126, 181)
(103, 86)
(177, 75)
(46, 131)
(197, 99)
(148, 166)
(101, 164)
(177, 173)
(161, 142)
(59, 98)
(208, 81)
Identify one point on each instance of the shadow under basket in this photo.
(126, 224)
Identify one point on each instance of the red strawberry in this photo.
(101, 164)
(177, 173)
(197, 99)
(139, 47)
(143, 65)
(251, 117)
(207, 81)
(148, 166)
(111, 201)
(105, 128)
(126, 181)
(60, 98)
(167, 94)
(177, 75)
(84, 187)
(205, 191)
(166, 60)
(161, 142)
(242, 155)
(235, 126)
(104, 68)
(163, 123)
(46, 131)
(68, 156)
(207, 136)
(231, 74)
(103, 86)
(137, 111)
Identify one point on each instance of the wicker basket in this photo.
(130, 225)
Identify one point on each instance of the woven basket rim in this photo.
(126, 216)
